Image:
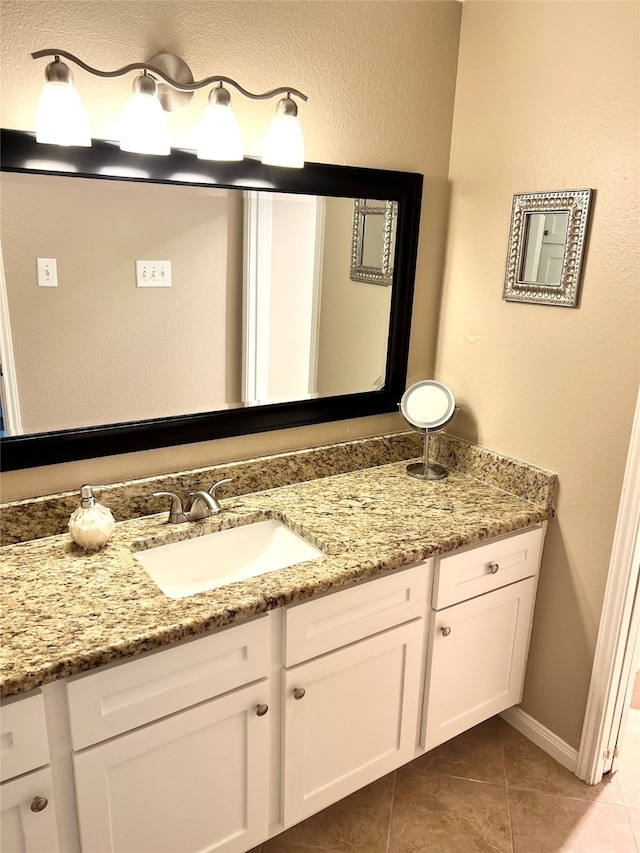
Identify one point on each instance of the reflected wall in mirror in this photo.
(261, 328)
(546, 247)
(373, 240)
(259, 309)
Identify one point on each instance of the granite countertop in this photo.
(66, 611)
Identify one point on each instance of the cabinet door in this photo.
(350, 717)
(23, 830)
(191, 782)
(476, 660)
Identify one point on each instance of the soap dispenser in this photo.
(91, 525)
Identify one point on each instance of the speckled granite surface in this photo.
(65, 611)
(35, 518)
(527, 481)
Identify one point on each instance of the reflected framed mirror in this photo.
(373, 240)
(547, 238)
(251, 325)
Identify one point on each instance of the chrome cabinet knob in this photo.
(299, 692)
(39, 804)
(493, 568)
(445, 631)
(261, 710)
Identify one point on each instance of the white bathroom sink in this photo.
(216, 559)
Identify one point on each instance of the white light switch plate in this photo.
(47, 272)
(153, 273)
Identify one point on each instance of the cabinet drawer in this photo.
(24, 735)
(336, 620)
(478, 570)
(119, 698)
(22, 828)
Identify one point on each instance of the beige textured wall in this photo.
(546, 99)
(370, 69)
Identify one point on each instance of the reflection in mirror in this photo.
(373, 240)
(546, 247)
(260, 308)
(545, 237)
(187, 362)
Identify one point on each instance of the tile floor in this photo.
(490, 789)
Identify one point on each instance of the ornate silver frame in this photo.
(576, 204)
(384, 273)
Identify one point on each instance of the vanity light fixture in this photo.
(61, 118)
(165, 84)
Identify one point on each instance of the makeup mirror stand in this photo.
(422, 470)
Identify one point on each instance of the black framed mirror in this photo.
(126, 431)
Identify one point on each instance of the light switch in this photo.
(153, 273)
(47, 272)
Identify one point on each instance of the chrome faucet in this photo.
(198, 505)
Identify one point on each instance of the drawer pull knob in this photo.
(261, 710)
(299, 692)
(445, 631)
(39, 804)
(493, 568)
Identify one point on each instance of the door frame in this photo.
(8, 378)
(618, 633)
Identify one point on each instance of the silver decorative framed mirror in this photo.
(428, 406)
(546, 247)
(373, 240)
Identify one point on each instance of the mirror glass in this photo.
(546, 247)
(187, 300)
(545, 238)
(258, 307)
(428, 405)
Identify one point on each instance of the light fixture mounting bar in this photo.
(180, 87)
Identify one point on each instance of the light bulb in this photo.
(284, 144)
(219, 133)
(144, 127)
(61, 118)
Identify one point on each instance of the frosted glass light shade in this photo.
(219, 134)
(284, 144)
(61, 118)
(144, 127)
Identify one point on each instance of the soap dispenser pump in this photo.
(91, 525)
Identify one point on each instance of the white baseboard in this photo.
(542, 737)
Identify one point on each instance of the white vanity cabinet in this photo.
(351, 710)
(168, 779)
(219, 742)
(479, 633)
(27, 814)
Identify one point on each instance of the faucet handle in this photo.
(214, 488)
(176, 512)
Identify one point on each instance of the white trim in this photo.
(542, 737)
(611, 666)
(316, 298)
(258, 217)
(9, 380)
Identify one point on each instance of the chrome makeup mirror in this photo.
(428, 406)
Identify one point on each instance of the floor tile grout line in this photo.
(506, 789)
(393, 798)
